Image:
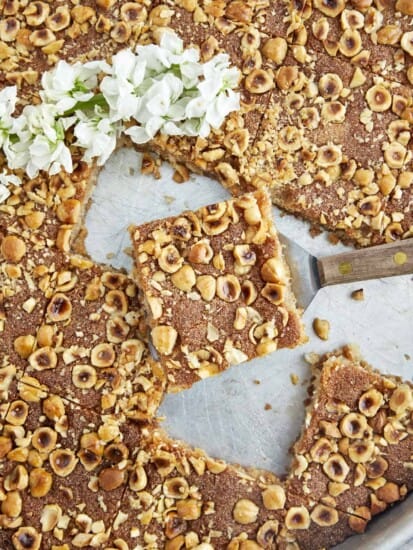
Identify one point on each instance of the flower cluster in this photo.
(158, 88)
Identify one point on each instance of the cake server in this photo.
(309, 273)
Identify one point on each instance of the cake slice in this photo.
(355, 452)
(216, 288)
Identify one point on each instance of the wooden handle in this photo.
(370, 263)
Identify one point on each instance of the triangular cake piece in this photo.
(354, 455)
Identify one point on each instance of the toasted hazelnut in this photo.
(17, 413)
(84, 376)
(336, 468)
(23, 345)
(330, 85)
(370, 402)
(275, 49)
(377, 467)
(42, 37)
(361, 451)
(133, 13)
(6, 446)
(389, 493)
(176, 488)
(274, 497)
(103, 355)
(228, 288)
(169, 259)
(331, 8)
(273, 270)
(333, 111)
(245, 511)
(201, 252)
(216, 227)
(111, 478)
(287, 77)
(406, 42)
(189, 509)
(51, 515)
(391, 434)
(27, 538)
(9, 29)
(174, 526)
(164, 462)
(117, 329)
(359, 520)
(267, 534)
(259, 81)
(116, 301)
(401, 399)
(36, 13)
(393, 232)
(11, 506)
(63, 462)
(405, 7)
(297, 518)
(321, 450)
(184, 278)
(59, 20)
(321, 328)
(44, 439)
(13, 248)
(350, 43)
(164, 338)
(379, 98)
(206, 284)
(395, 154)
(40, 482)
(353, 425)
(369, 206)
(274, 293)
(115, 453)
(138, 479)
(237, 141)
(248, 292)
(243, 255)
(325, 516)
(53, 407)
(239, 11)
(17, 479)
(59, 308)
(120, 32)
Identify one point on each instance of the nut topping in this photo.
(27, 538)
(176, 488)
(103, 355)
(164, 338)
(324, 515)
(245, 511)
(228, 288)
(370, 402)
(267, 534)
(336, 468)
(297, 518)
(379, 98)
(63, 462)
(59, 308)
(274, 497)
(353, 425)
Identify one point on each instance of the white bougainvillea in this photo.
(156, 89)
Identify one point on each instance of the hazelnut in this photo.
(273, 270)
(51, 515)
(330, 85)
(81, 14)
(40, 482)
(239, 11)
(11, 506)
(17, 413)
(59, 20)
(401, 399)
(113, 280)
(391, 434)
(184, 278)
(352, 19)
(361, 451)
(376, 468)
(206, 284)
(227, 174)
(405, 7)
(6, 446)
(359, 520)
(259, 81)
(353, 425)
(321, 450)
(23, 345)
(103, 355)
(389, 493)
(176, 488)
(120, 32)
(12, 248)
(325, 516)
(274, 497)
(26, 538)
(42, 37)
(63, 462)
(243, 255)
(379, 98)
(44, 439)
(36, 13)
(393, 232)
(111, 478)
(336, 468)
(274, 293)
(237, 141)
(350, 43)
(405, 180)
(389, 35)
(267, 534)
(117, 329)
(84, 376)
(297, 518)
(17, 479)
(133, 13)
(89, 459)
(216, 227)
(169, 259)
(321, 328)
(228, 288)
(406, 42)
(333, 111)
(115, 453)
(10, 7)
(331, 8)
(370, 402)
(174, 526)
(201, 252)
(189, 509)
(53, 407)
(9, 29)
(248, 293)
(116, 302)
(369, 206)
(245, 511)
(164, 462)
(213, 212)
(59, 308)
(287, 77)
(138, 479)
(275, 49)
(164, 339)
(161, 16)
(395, 154)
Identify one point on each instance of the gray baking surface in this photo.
(228, 415)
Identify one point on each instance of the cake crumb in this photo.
(257, 382)
(267, 407)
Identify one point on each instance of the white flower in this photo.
(8, 98)
(97, 135)
(120, 89)
(5, 181)
(66, 85)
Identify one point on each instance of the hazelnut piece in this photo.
(321, 328)
(350, 43)
(401, 399)
(84, 376)
(201, 252)
(353, 425)
(51, 515)
(243, 255)
(9, 29)
(176, 487)
(23, 345)
(267, 534)
(370, 402)
(321, 450)
(27, 538)
(245, 511)
(13, 248)
(189, 509)
(164, 338)
(273, 270)
(228, 288)
(138, 479)
(164, 462)
(248, 293)
(275, 49)
(379, 98)
(274, 497)
(376, 468)
(11, 506)
(206, 284)
(216, 227)
(36, 13)
(405, 7)
(133, 13)
(44, 439)
(407, 42)
(359, 520)
(53, 407)
(63, 462)
(336, 468)
(40, 482)
(361, 451)
(120, 32)
(111, 478)
(297, 518)
(184, 278)
(169, 259)
(259, 81)
(239, 11)
(389, 493)
(59, 308)
(43, 358)
(330, 85)
(331, 8)
(103, 355)
(59, 20)
(325, 516)
(274, 293)
(42, 37)
(17, 413)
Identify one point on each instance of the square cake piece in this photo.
(216, 287)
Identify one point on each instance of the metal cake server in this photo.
(309, 273)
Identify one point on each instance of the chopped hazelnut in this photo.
(245, 511)
(321, 328)
(297, 518)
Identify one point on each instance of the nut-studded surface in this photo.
(216, 287)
